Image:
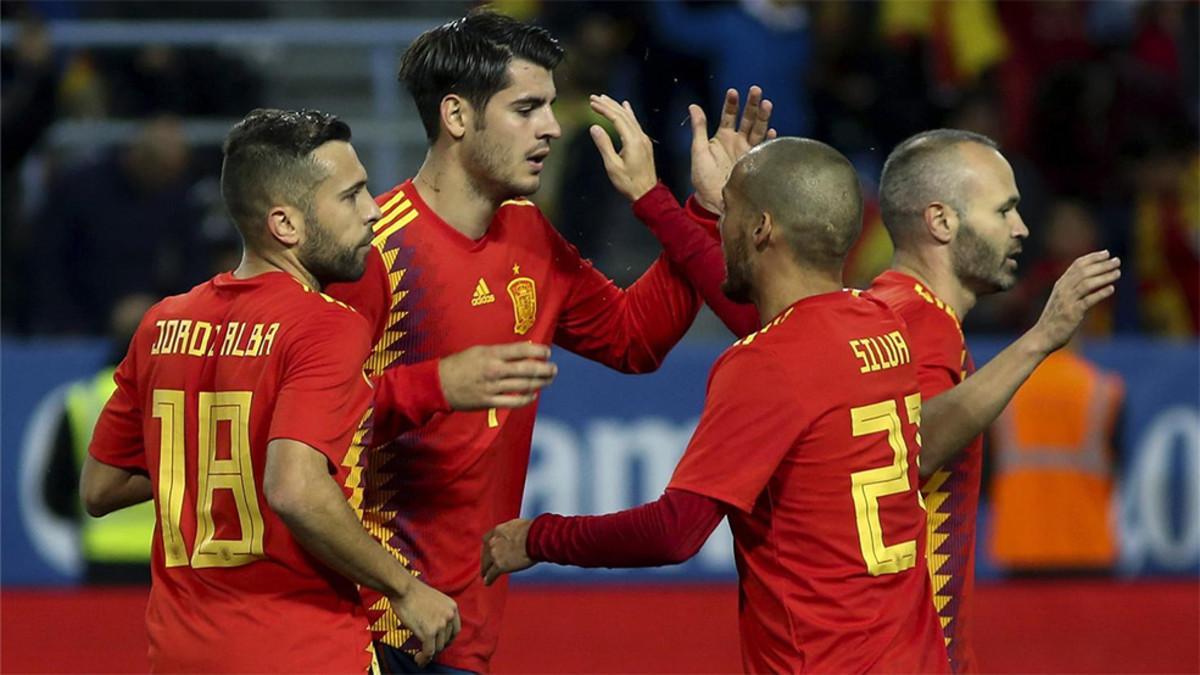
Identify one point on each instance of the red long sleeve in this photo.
(406, 397)
(691, 242)
(632, 329)
(663, 532)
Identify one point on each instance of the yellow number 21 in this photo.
(235, 474)
(866, 487)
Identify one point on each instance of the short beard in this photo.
(737, 285)
(325, 260)
(977, 265)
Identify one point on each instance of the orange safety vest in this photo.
(1052, 493)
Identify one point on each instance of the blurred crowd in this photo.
(1094, 103)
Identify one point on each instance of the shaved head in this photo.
(924, 169)
(811, 192)
(812, 198)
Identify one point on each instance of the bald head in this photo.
(927, 168)
(810, 191)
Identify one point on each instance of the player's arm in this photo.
(114, 473)
(299, 488)
(690, 239)
(321, 404)
(737, 446)
(950, 420)
(696, 254)
(629, 330)
(105, 488)
(667, 531)
(478, 378)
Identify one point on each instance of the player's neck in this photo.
(453, 196)
(938, 276)
(254, 264)
(779, 290)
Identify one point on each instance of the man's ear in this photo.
(285, 224)
(763, 230)
(456, 115)
(941, 222)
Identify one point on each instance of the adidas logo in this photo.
(483, 294)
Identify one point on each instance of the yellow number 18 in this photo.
(235, 474)
(866, 487)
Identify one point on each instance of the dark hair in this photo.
(268, 160)
(469, 57)
(921, 171)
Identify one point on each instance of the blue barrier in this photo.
(607, 441)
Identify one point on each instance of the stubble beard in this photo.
(326, 260)
(492, 173)
(737, 285)
(977, 264)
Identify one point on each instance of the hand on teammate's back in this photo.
(432, 617)
(713, 158)
(1086, 282)
(504, 550)
(632, 169)
(496, 376)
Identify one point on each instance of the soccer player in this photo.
(241, 408)
(949, 202)
(460, 258)
(807, 443)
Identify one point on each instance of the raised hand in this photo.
(1086, 282)
(504, 550)
(431, 615)
(713, 158)
(496, 376)
(632, 169)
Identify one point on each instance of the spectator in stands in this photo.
(1164, 227)
(778, 62)
(1070, 231)
(30, 79)
(128, 223)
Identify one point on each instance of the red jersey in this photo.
(434, 491)
(810, 433)
(952, 492)
(211, 377)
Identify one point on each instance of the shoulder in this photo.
(391, 198)
(919, 308)
(523, 221)
(326, 310)
(181, 303)
(321, 314)
(523, 213)
(754, 354)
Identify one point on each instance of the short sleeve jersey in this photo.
(952, 492)
(809, 433)
(211, 377)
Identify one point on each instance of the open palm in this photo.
(713, 158)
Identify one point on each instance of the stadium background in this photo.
(112, 118)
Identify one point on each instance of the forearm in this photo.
(950, 420)
(406, 397)
(104, 488)
(664, 532)
(629, 330)
(327, 528)
(696, 252)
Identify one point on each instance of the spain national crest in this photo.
(523, 292)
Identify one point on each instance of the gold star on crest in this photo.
(516, 269)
